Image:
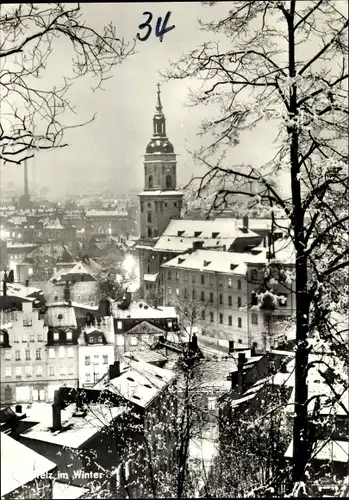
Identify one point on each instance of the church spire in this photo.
(159, 121)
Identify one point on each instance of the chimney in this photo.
(27, 283)
(18, 408)
(253, 349)
(245, 224)
(231, 346)
(241, 375)
(66, 292)
(114, 370)
(194, 341)
(198, 245)
(11, 276)
(4, 287)
(56, 416)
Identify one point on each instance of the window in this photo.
(27, 354)
(28, 371)
(71, 370)
(177, 276)
(239, 322)
(239, 284)
(185, 293)
(56, 336)
(185, 275)
(169, 323)
(38, 371)
(31, 337)
(62, 370)
(193, 294)
(150, 181)
(69, 335)
(24, 338)
(17, 355)
(105, 359)
(203, 314)
(168, 181)
(96, 359)
(27, 322)
(220, 298)
(1, 337)
(88, 377)
(18, 372)
(87, 360)
(7, 355)
(51, 371)
(70, 352)
(169, 275)
(169, 291)
(239, 301)
(221, 318)
(133, 341)
(202, 296)
(177, 292)
(61, 352)
(202, 279)
(211, 317)
(193, 278)
(230, 320)
(220, 283)
(38, 354)
(211, 297)
(149, 232)
(211, 403)
(149, 217)
(119, 325)
(8, 372)
(283, 301)
(254, 319)
(119, 339)
(230, 303)
(40, 337)
(51, 353)
(229, 283)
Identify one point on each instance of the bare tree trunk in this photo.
(300, 428)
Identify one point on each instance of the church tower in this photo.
(160, 201)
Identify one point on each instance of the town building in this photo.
(61, 348)
(160, 201)
(24, 370)
(227, 295)
(96, 350)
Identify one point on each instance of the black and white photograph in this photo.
(174, 249)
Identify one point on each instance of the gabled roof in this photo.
(20, 465)
(145, 328)
(141, 310)
(60, 316)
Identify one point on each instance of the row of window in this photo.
(203, 297)
(204, 279)
(211, 316)
(97, 359)
(28, 338)
(28, 371)
(68, 335)
(28, 354)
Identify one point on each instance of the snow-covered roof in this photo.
(20, 465)
(140, 382)
(53, 224)
(150, 277)
(145, 328)
(158, 192)
(75, 430)
(336, 451)
(140, 310)
(147, 356)
(19, 290)
(105, 213)
(60, 316)
(20, 245)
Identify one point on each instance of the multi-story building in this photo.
(226, 291)
(23, 355)
(160, 201)
(96, 350)
(62, 348)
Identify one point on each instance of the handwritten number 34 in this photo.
(161, 27)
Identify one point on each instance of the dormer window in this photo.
(69, 335)
(1, 338)
(90, 340)
(56, 336)
(214, 235)
(100, 339)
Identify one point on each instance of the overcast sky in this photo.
(107, 154)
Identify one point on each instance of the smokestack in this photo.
(198, 245)
(194, 341)
(27, 283)
(114, 370)
(26, 188)
(4, 287)
(245, 224)
(56, 417)
(11, 276)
